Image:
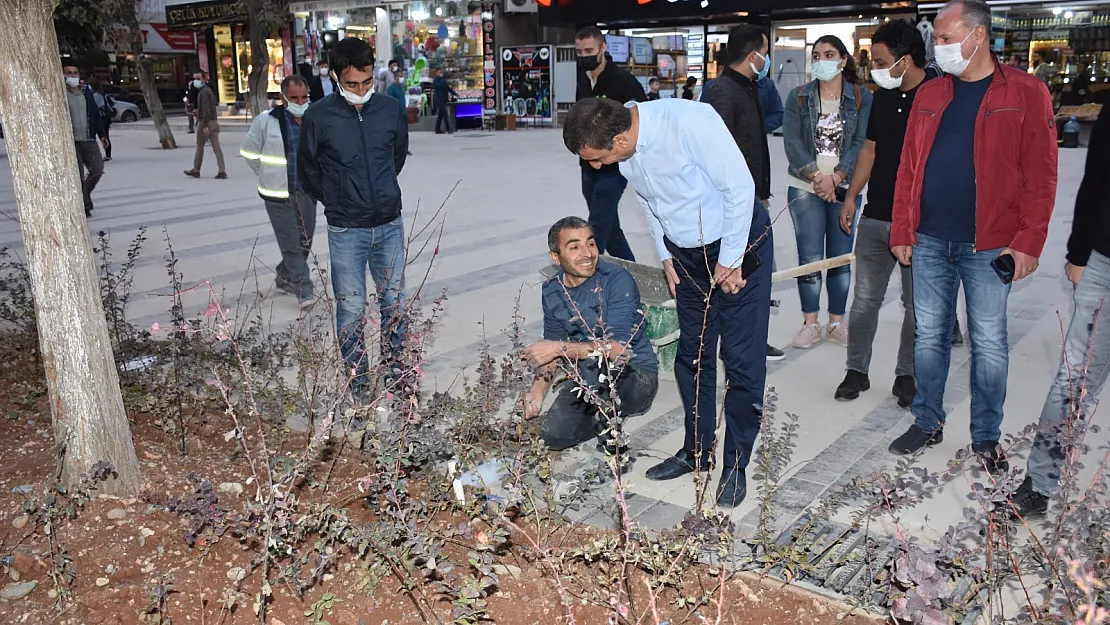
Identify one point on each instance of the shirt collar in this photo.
(643, 138)
(738, 77)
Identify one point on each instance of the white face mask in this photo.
(883, 78)
(198, 83)
(73, 81)
(296, 110)
(323, 71)
(950, 56)
(357, 100)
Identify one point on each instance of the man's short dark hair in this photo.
(321, 62)
(903, 39)
(589, 32)
(742, 41)
(691, 81)
(352, 52)
(653, 80)
(566, 223)
(293, 79)
(593, 122)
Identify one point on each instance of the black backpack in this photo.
(109, 108)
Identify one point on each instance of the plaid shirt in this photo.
(291, 140)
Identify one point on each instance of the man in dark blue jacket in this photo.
(352, 147)
(442, 93)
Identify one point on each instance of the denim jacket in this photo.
(803, 109)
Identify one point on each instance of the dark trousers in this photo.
(108, 136)
(739, 321)
(443, 116)
(89, 158)
(603, 191)
(294, 223)
(572, 419)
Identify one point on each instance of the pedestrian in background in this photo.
(899, 68)
(271, 150)
(107, 110)
(824, 130)
(653, 89)
(441, 95)
(688, 90)
(603, 187)
(323, 84)
(88, 125)
(208, 130)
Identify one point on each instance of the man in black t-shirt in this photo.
(899, 68)
(599, 77)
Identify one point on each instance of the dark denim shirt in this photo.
(606, 306)
(803, 110)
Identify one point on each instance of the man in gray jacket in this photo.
(271, 150)
(87, 126)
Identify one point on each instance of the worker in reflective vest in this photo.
(271, 150)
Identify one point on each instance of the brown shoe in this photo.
(192, 173)
(221, 176)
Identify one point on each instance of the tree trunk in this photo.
(260, 59)
(146, 77)
(90, 423)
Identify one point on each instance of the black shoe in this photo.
(914, 440)
(774, 354)
(991, 457)
(1027, 503)
(680, 464)
(733, 488)
(904, 389)
(854, 383)
(287, 289)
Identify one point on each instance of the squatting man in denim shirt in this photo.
(590, 307)
(717, 249)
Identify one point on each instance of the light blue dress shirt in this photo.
(691, 178)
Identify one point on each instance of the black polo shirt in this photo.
(890, 112)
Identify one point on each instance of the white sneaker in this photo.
(807, 336)
(838, 333)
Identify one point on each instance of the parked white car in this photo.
(126, 112)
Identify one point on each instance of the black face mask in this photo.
(589, 63)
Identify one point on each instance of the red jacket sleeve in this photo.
(902, 224)
(1038, 170)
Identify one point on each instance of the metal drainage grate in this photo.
(850, 565)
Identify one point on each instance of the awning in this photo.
(196, 15)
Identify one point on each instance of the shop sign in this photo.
(314, 6)
(158, 38)
(207, 13)
(526, 81)
(489, 59)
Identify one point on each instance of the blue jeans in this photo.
(1083, 370)
(817, 231)
(382, 248)
(938, 269)
(603, 191)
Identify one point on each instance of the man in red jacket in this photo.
(977, 181)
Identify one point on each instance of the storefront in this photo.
(224, 47)
(172, 52)
(422, 35)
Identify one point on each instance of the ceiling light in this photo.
(1057, 11)
(1068, 15)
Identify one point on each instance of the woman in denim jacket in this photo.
(824, 131)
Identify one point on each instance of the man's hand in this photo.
(532, 403)
(104, 142)
(542, 353)
(1074, 273)
(1024, 264)
(848, 214)
(904, 253)
(728, 279)
(671, 274)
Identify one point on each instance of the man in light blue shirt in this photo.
(717, 249)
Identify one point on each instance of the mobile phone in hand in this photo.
(1004, 267)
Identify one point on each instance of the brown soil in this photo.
(118, 562)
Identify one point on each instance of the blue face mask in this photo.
(761, 74)
(826, 70)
